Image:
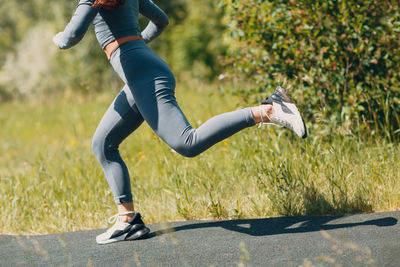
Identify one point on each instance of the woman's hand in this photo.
(57, 38)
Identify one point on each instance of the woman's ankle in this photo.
(262, 113)
(125, 218)
(125, 211)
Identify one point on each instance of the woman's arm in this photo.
(158, 19)
(78, 26)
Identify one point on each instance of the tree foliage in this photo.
(193, 41)
(30, 64)
(341, 57)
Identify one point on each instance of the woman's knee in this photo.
(98, 146)
(187, 151)
(103, 147)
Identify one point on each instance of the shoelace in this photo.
(113, 218)
(269, 118)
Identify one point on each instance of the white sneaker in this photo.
(120, 231)
(286, 113)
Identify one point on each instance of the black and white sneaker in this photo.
(286, 113)
(120, 231)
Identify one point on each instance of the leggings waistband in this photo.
(112, 46)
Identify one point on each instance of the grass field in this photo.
(51, 182)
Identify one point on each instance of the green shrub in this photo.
(341, 57)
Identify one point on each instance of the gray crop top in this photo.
(113, 24)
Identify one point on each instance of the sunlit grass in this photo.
(51, 182)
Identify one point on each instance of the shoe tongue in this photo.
(266, 101)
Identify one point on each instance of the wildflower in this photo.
(72, 143)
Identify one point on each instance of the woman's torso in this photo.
(113, 24)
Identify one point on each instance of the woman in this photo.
(148, 95)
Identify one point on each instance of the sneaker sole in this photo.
(112, 240)
(305, 128)
(138, 234)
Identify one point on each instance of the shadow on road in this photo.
(80, 249)
(276, 226)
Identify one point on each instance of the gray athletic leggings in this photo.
(149, 95)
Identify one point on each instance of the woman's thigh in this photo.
(120, 120)
(152, 85)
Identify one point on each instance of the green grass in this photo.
(51, 182)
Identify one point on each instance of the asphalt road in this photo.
(351, 240)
